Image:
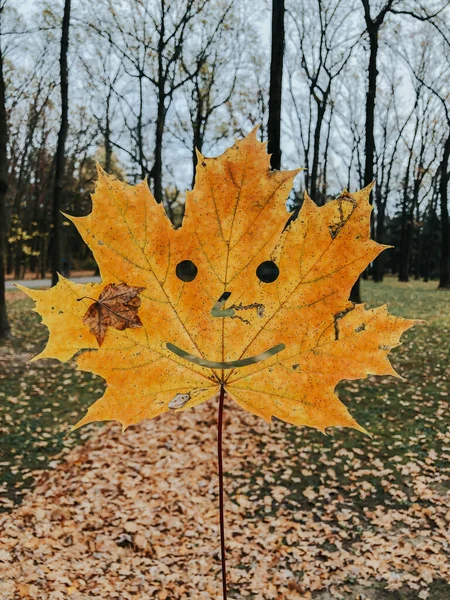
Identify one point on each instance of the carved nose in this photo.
(218, 309)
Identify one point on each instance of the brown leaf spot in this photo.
(346, 206)
(116, 307)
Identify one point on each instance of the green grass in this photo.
(39, 402)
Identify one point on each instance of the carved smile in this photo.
(230, 364)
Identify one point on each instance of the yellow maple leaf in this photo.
(237, 297)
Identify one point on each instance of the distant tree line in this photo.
(139, 85)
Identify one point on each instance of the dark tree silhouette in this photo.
(60, 158)
(5, 331)
(276, 82)
(373, 25)
(444, 280)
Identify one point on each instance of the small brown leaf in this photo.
(116, 307)
(23, 590)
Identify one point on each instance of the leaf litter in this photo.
(134, 516)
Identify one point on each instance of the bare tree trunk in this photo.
(157, 165)
(370, 107)
(160, 111)
(405, 247)
(321, 107)
(429, 230)
(381, 197)
(60, 157)
(444, 280)
(355, 295)
(276, 82)
(418, 249)
(406, 225)
(5, 331)
(107, 136)
(140, 140)
(197, 141)
(325, 160)
(378, 265)
(373, 27)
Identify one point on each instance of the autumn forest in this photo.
(138, 86)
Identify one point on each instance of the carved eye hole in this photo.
(186, 270)
(267, 272)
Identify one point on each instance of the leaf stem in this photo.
(221, 500)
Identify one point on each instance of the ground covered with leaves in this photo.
(308, 516)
